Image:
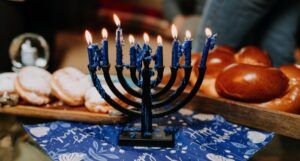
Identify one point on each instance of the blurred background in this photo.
(272, 25)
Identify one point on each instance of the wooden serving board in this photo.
(79, 114)
(283, 123)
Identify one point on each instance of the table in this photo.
(15, 145)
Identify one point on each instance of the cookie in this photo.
(33, 85)
(70, 85)
(95, 103)
(7, 81)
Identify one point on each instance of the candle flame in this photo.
(159, 40)
(208, 32)
(174, 31)
(104, 33)
(131, 39)
(188, 34)
(88, 37)
(117, 20)
(146, 37)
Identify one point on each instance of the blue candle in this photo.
(132, 51)
(91, 48)
(187, 47)
(98, 56)
(139, 53)
(175, 49)
(209, 44)
(105, 47)
(146, 47)
(119, 39)
(159, 53)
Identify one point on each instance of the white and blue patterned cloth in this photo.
(199, 137)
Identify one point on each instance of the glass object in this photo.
(29, 49)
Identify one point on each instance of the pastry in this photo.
(33, 85)
(7, 81)
(8, 95)
(95, 103)
(70, 85)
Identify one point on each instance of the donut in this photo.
(69, 85)
(253, 56)
(249, 83)
(95, 103)
(33, 85)
(7, 81)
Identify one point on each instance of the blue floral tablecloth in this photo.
(199, 137)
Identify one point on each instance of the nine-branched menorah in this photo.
(150, 103)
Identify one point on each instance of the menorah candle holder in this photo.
(144, 109)
(151, 103)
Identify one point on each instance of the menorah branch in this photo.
(187, 99)
(133, 75)
(179, 90)
(119, 69)
(106, 97)
(160, 73)
(115, 90)
(169, 85)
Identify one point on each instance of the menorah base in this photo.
(159, 138)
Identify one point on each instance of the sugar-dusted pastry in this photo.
(33, 85)
(8, 95)
(7, 81)
(70, 85)
(95, 103)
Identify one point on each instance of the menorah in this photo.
(152, 104)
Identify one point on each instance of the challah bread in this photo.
(249, 83)
(253, 56)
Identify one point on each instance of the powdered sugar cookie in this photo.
(95, 103)
(33, 85)
(7, 81)
(70, 85)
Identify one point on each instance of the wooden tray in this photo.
(283, 123)
(79, 114)
(241, 113)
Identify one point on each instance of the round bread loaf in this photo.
(217, 60)
(291, 71)
(251, 83)
(254, 56)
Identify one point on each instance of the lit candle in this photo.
(209, 44)
(119, 39)
(105, 47)
(132, 51)
(175, 49)
(159, 52)
(91, 48)
(187, 48)
(146, 46)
